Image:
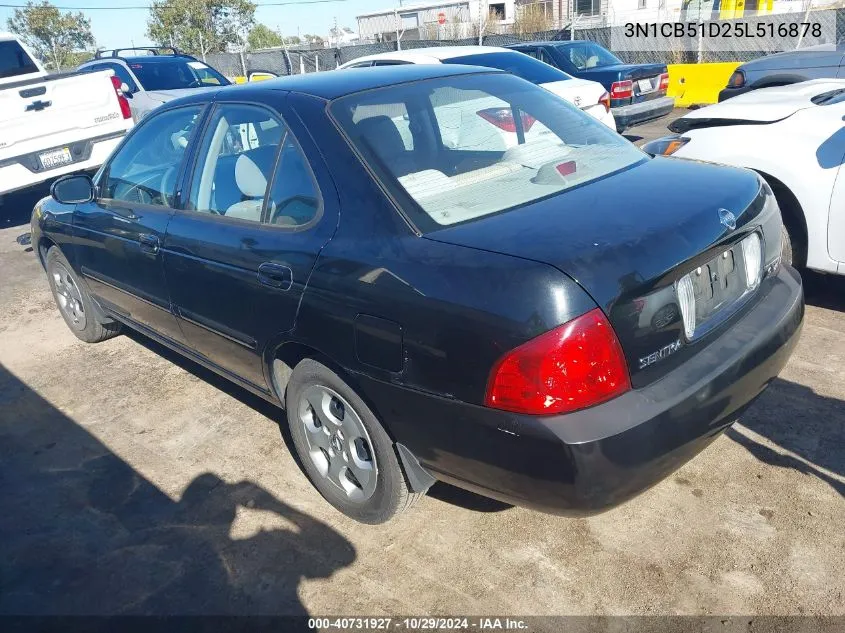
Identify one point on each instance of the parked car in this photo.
(637, 91)
(150, 76)
(789, 67)
(793, 137)
(590, 96)
(416, 311)
(53, 124)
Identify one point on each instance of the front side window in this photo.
(176, 74)
(145, 168)
(504, 144)
(236, 160)
(515, 63)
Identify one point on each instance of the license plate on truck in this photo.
(645, 85)
(55, 158)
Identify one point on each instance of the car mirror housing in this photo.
(73, 189)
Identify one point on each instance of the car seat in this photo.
(251, 173)
(384, 139)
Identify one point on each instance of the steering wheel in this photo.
(168, 182)
(196, 83)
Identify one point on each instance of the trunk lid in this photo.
(626, 239)
(580, 92)
(52, 108)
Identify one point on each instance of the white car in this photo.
(54, 124)
(590, 96)
(793, 136)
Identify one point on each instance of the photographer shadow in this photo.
(84, 533)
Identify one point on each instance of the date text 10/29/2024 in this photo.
(418, 624)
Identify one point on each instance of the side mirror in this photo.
(73, 189)
(124, 88)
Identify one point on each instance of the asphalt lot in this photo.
(133, 481)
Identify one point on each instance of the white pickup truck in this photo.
(54, 124)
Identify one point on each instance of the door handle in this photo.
(275, 275)
(149, 244)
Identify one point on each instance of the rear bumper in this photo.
(24, 170)
(629, 115)
(592, 460)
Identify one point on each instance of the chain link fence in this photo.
(297, 61)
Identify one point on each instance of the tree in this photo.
(314, 40)
(262, 36)
(200, 26)
(53, 36)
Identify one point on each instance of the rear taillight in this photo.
(503, 119)
(622, 89)
(574, 366)
(121, 99)
(664, 82)
(605, 101)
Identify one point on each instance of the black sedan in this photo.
(535, 310)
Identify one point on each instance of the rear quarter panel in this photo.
(458, 309)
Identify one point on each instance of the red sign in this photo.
(441, 18)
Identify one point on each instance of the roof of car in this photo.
(138, 59)
(431, 54)
(337, 83)
(548, 43)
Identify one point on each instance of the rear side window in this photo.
(121, 73)
(503, 144)
(515, 63)
(235, 162)
(14, 60)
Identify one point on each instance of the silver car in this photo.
(151, 76)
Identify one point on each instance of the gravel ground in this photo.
(133, 481)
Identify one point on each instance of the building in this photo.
(458, 19)
(448, 19)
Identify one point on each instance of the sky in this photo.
(114, 28)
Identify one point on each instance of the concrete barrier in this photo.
(698, 84)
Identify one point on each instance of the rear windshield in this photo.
(14, 61)
(516, 63)
(176, 75)
(455, 149)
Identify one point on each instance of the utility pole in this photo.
(481, 6)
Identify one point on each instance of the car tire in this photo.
(787, 255)
(74, 302)
(343, 448)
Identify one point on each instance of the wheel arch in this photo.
(792, 213)
(280, 364)
(44, 245)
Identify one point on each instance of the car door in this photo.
(120, 233)
(239, 252)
